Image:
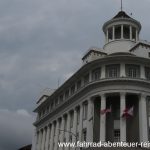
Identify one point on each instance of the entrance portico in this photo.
(114, 127)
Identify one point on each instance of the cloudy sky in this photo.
(42, 41)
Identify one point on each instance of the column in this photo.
(90, 76)
(52, 137)
(57, 135)
(122, 70)
(40, 140)
(34, 140)
(62, 131)
(122, 120)
(106, 36)
(142, 68)
(130, 32)
(75, 124)
(90, 121)
(47, 138)
(122, 32)
(137, 38)
(68, 129)
(103, 71)
(143, 119)
(113, 32)
(43, 139)
(103, 119)
(81, 122)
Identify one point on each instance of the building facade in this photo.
(107, 99)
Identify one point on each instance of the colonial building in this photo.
(107, 99)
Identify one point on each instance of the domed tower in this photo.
(121, 33)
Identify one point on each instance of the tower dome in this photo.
(121, 33)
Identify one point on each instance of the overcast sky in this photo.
(42, 41)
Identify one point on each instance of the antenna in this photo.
(121, 5)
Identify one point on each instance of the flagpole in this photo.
(121, 5)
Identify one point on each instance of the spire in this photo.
(121, 5)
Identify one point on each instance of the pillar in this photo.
(47, 138)
(52, 137)
(40, 140)
(57, 135)
(90, 76)
(62, 131)
(68, 129)
(142, 68)
(113, 33)
(103, 71)
(81, 122)
(43, 139)
(143, 119)
(130, 32)
(122, 120)
(90, 121)
(106, 37)
(137, 37)
(122, 70)
(75, 125)
(122, 32)
(103, 119)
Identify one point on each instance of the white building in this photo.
(115, 77)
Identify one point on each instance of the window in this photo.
(147, 73)
(66, 94)
(56, 102)
(116, 135)
(134, 33)
(86, 79)
(79, 84)
(52, 105)
(117, 32)
(73, 89)
(110, 37)
(61, 98)
(84, 134)
(71, 121)
(96, 73)
(126, 32)
(112, 71)
(85, 110)
(148, 54)
(133, 71)
(70, 138)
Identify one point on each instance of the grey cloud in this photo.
(43, 41)
(16, 129)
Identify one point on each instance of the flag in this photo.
(128, 112)
(105, 111)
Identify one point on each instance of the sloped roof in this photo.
(121, 14)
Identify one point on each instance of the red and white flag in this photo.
(128, 112)
(105, 111)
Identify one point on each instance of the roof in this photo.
(96, 50)
(143, 43)
(121, 14)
